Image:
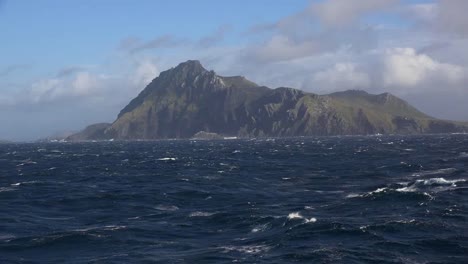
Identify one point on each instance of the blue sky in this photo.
(66, 64)
(54, 34)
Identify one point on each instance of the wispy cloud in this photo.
(216, 37)
(13, 68)
(344, 13)
(135, 45)
(67, 71)
(451, 17)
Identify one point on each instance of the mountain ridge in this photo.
(187, 99)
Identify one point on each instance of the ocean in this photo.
(374, 199)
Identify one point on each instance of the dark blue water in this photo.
(312, 200)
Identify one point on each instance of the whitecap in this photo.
(405, 221)
(407, 189)
(166, 207)
(22, 183)
(378, 190)
(260, 228)
(311, 220)
(254, 249)
(434, 172)
(434, 185)
(200, 214)
(114, 227)
(297, 215)
(440, 181)
(167, 158)
(353, 195)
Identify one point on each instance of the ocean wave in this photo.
(23, 183)
(70, 236)
(260, 228)
(200, 214)
(100, 228)
(7, 189)
(440, 181)
(6, 237)
(434, 172)
(167, 159)
(254, 249)
(166, 207)
(297, 215)
(432, 185)
(423, 186)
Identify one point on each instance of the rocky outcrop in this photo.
(92, 132)
(202, 135)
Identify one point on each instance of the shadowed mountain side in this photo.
(91, 132)
(188, 99)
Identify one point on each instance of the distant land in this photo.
(189, 99)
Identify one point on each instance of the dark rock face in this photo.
(188, 99)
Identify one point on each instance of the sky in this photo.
(67, 64)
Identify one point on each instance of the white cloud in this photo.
(135, 45)
(145, 72)
(405, 68)
(422, 12)
(445, 17)
(341, 76)
(80, 84)
(452, 18)
(339, 13)
(281, 47)
(84, 85)
(216, 37)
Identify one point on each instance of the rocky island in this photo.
(188, 99)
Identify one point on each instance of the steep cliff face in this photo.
(188, 98)
(184, 101)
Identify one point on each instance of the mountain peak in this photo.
(191, 66)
